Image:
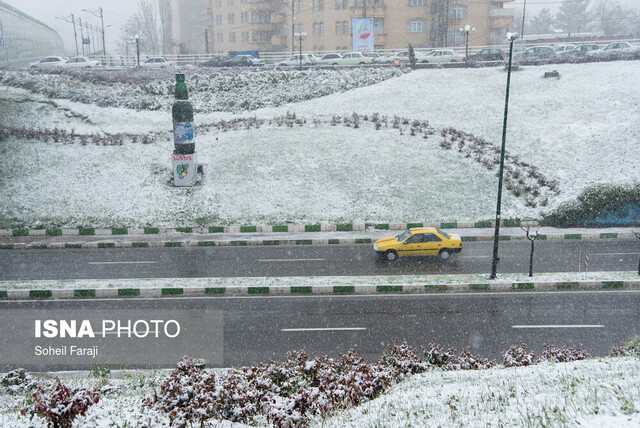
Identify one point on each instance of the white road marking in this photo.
(122, 263)
(291, 260)
(614, 254)
(560, 326)
(325, 329)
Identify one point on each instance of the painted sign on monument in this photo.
(362, 34)
(184, 169)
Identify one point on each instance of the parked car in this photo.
(156, 62)
(49, 62)
(355, 58)
(330, 59)
(402, 57)
(243, 61)
(216, 61)
(372, 55)
(80, 62)
(306, 60)
(614, 50)
(443, 55)
(386, 59)
(581, 50)
(488, 54)
(418, 241)
(563, 49)
(535, 54)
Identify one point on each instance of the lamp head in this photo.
(512, 36)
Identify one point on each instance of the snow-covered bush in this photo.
(564, 354)
(17, 381)
(595, 201)
(518, 356)
(223, 90)
(61, 406)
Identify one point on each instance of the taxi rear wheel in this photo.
(444, 254)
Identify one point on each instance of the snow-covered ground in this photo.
(601, 392)
(579, 129)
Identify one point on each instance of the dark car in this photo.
(489, 54)
(535, 55)
(244, 61)
(216, 61)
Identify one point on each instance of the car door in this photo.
(414, 245)
(432, 244)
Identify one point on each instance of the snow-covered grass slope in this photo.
(579, 129)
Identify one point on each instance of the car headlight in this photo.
(375, 247)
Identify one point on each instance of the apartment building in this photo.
(274, 25)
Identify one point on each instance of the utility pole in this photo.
(81, 35)
(524, 9)
(75, 35)
(206, 41)
(104, 49)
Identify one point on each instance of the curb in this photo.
(98, 293)
(292, 228)
(71, 244)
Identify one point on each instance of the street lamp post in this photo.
(496, 237)
(300, 37)
(136, 39)
(466, 30)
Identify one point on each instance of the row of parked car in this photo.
(538, 53)
(84, 62)
(435, 56)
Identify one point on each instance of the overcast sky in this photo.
(116, 13)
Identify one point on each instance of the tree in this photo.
(573, 16)
(542, 23)
(412, 56)
(164, 9)
(144, 24)
(613, 19)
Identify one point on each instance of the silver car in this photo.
(49, 62)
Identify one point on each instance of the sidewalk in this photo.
(263, 235)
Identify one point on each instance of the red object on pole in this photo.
(586, 262)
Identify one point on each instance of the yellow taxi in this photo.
(419, 241)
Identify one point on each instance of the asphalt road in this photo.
(301, 260)
(243, 331)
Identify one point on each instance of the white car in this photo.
(563, 49)
(403, 57)
(306, 61)
(354, 58)
(156, 62)
(80, 62)
(439, 56)
(613, 49)
(48, 62)
(330, 59)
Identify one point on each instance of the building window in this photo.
(345, 27)
(315, 29)
(458, 12)
(321, 28)
(318, 4)
(220, 38)
(455, 37)
(417, 26)
(219, 19)
(417, 3)
(378, 26)
(338, 28)
(231, 18)
(342, 4)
